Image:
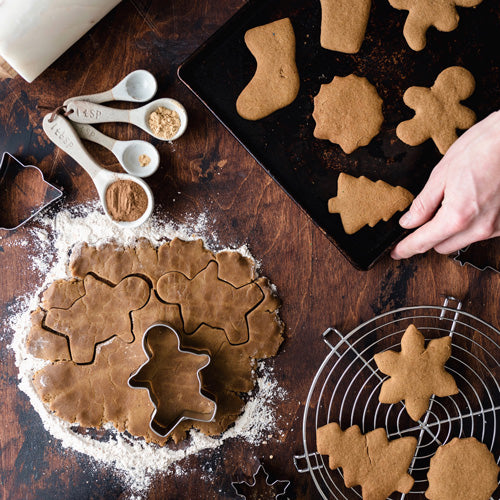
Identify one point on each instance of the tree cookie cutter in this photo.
(24, 192)
(278, 487)
(463, 258)
(142, 379)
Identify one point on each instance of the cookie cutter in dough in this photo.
(282, 484)
(463, 260)
(14, 211)
(165, 428)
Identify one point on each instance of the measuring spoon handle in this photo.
(96, 98)
(64, 136)
(89, 112)
(89, 133)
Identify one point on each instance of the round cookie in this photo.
(463, 469)
(348, 112)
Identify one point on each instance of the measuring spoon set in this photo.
(138, 86)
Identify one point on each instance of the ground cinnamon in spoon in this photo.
(126, 201)
(164, 122)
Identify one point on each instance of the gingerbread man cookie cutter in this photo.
(141, 379)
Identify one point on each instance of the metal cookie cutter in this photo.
(142, 378)
(463, 258)
(278, 487)
(23, 192)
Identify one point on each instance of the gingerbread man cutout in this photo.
(438, 112)
(422, 14)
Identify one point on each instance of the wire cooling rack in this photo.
(347, 384)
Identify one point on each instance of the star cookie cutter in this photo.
(24, 192)
(283, 484)
(140, 380)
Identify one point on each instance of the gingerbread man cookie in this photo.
(422, 14)
(438, 112)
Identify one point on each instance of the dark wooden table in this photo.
(318, 286)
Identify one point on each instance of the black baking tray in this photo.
(283, 144)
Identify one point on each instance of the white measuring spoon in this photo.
(89, 112)
(138, 86)
(128, 153)
(63, 135)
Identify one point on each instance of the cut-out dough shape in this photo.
(100, 314)
(416, 373)
(113, 263)
(343, 24)
(172, 378)
(422, 14)
(348, 112)
(44, 344)
(438, 112)
(379, 466)
(94, 394)
(360, 201)
(276, 81)
(207, 300)
(97, 393)
(463, 469)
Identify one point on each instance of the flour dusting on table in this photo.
(135, 460)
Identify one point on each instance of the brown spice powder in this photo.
(126, 201)
(164, 122)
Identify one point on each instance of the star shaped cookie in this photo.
(422, 14)
(378, 465)
(416, 373)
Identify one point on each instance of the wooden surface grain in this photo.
(214, 175)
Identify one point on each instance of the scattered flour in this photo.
(134, 460)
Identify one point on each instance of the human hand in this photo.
(460, 204)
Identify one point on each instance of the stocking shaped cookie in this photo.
(360, 201)
(276, 81)
(422, 14)
(438, 112)
(378, 465)
(416, 373)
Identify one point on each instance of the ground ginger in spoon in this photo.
(126, 201)
(164, 122)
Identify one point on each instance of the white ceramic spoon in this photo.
(128, 153)
(138, 86)
(63, 135)
(89, 112)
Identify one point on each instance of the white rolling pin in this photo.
(34, 33)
